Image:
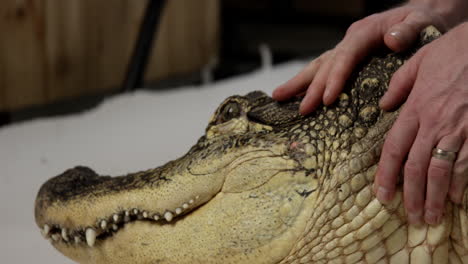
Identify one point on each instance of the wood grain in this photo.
(22, 53)
(55, 49)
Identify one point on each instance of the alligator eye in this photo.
(230, 111)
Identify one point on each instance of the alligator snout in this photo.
(79, 206)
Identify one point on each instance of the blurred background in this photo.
(60, 57)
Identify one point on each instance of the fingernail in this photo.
(456, 196)
(396, 34)
(326, 95)
(301, 109)
(383, 194)
(382, 102)
(431, 217)
(414, 218)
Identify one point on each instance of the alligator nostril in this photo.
(70, 183)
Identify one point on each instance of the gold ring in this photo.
(444, 155)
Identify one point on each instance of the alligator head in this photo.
(263, 185)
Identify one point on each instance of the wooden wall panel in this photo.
(54, 49)
(193, 44)
(22, 55)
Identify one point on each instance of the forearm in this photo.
(452, 11)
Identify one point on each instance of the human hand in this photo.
(325, 76)
(434, 115)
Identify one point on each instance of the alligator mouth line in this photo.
(109, 226)
(67, 230)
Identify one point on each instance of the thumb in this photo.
(402, 35)
(402, 81)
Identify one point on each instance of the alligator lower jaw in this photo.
(110, 225)
(212, 233)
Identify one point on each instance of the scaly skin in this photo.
(263, 185)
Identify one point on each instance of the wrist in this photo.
(453, 12)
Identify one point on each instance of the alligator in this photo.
(264, 184)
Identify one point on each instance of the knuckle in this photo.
(358, 25)
(366, 22)
(418, 19)
(439, 170)
(340, 52)
(461, 168)
(369, 20)
(322, 58)
(435, 206)
(391, 149)
(354, 26)
(413, 169)
(433, 115)
(413, 205)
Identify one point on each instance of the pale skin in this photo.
(434, 84)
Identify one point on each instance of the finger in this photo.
(352, 50)
(313, 98)
(301, 81)
(396, 147)
(402, 82)
(415, 174)
(459, 175)
(438, 180)
(402, 35)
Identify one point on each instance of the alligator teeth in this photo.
(103, 224)
(109, 225)
(46, 230)
(126, 216)
(56, 237)
(145, 214)
(169, 216)
(90, 237)
(64, 234)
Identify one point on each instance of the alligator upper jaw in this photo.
(105, 205)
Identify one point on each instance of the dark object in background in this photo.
(5, 118)
(373, 6)
(295, 29)
(142, 52)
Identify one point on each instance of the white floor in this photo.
(125, 134)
